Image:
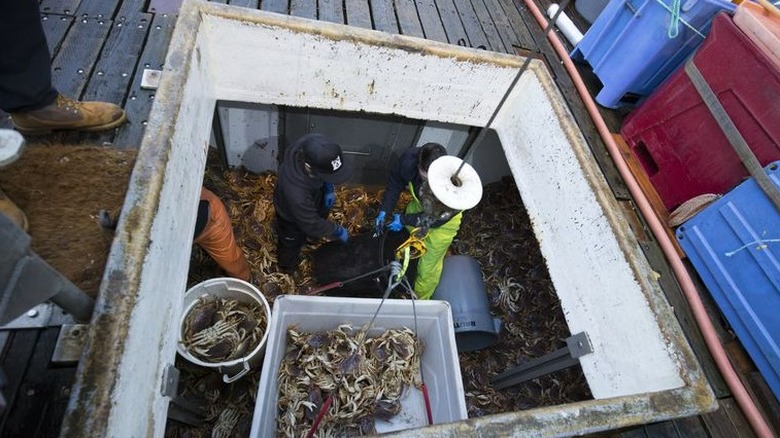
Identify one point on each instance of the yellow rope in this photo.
(414, 244)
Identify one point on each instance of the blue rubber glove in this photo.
(379, 223)
(342, 234)
(330, 195)
(396, 224)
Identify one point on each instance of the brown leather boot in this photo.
(8, 208)
(65, 113)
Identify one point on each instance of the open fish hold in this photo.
(641, 370)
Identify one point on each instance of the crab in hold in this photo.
(200, 317)
(509, 292)
(216, 330)
(341, 365)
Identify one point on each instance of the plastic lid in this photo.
(459, 193)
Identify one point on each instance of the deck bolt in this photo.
(80, 71)
(100, 73)
(119, 25)
(32, 313)
(124, 75)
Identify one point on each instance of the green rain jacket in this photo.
(437, 241)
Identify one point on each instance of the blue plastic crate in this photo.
(628, 47)
(734, 245)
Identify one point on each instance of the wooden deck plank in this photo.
(408, 21)
(15, 360)
(279, 6)
(450, 19)
(128, 8)
(139, 102)
(97, 8)
(304, 8)
(252, 4)
(737, 418)
(55, 27)
(766, 399)
(718, 423)
(358, 13)
(118, 59)
(634, 432)
(384, 16)
(663, 429)
(331, 11)
(431, 22)
(73, 64)
(65, 7)
(690, 427)
(502, 24)
(519, 26)
(486, 22)
(468, 17)
(43, 394)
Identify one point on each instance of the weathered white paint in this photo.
(282, 65)
(118, 392)
(599, 290)
(450, 136)
(251, 136)
(604, 282)
(159, 301)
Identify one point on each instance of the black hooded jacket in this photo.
(298, 197)
(403, 173)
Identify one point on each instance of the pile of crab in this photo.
(365, 378)
(222, 329)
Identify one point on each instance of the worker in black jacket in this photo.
(305, 193)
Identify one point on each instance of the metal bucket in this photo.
(461, 285)
(226, 287)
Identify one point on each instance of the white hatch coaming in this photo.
(642, 368)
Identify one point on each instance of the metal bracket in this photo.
(150, 79)
(576, 346)
(180, 409)
(170, 381)
(70, 343)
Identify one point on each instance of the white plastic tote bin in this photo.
(439, 362)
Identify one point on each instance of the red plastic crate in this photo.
(680, 145)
